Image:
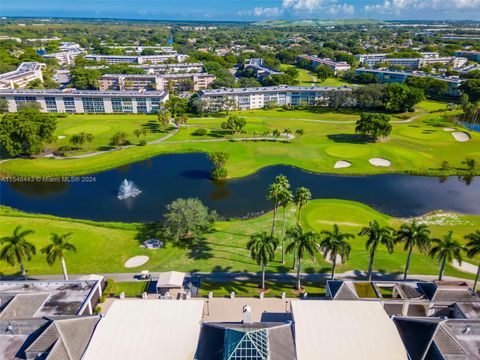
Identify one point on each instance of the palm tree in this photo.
(287, 132)
(301, 243)
(262, 249)
(302, 197)
(413, 235)
(377, 235)
(286, 197)
(335, 244)
(56, 250)
(446, 249)
(274, 194)
(469, 163)
(473, 249)
(300, 133)
(17, 248)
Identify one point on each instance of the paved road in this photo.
(232, 276)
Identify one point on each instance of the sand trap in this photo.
(136, 261)
(61, 137)
(461, 136)
(342, 164)
(379, 162)
(449, 129)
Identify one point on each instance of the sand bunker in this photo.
(449, 129)
(461, 136)
(61, 137)
(136, 261)
(342, 164)
(379, 162)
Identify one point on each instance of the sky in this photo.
(246, 10)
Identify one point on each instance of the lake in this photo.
(165, 178)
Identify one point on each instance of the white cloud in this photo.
(301, 6)
(399, 6)
(268, 11)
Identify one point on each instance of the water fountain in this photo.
(127, 189)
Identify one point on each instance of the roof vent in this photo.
(247, 314)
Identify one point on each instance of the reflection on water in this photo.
(165, 178)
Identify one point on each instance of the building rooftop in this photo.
(345, 330)
(280, 88)
(32, 299)
(74, 92)
(23, 68)
(147, 329)
(411, 73)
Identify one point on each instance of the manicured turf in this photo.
(419, 147)
(131, 289)
(309, 78)
(104, 247)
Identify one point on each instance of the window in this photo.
(117, 105)
(51, 104)
(93, 105)
(69, 104)
(142, 105)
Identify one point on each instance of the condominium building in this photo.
(87, 101)
(261, 71)
(259, 97)
(178, 81)
(314, 61)
(67, 54)
(470, 55)
(139, 49)
(19, 78)
(171, 68)
(414, 63)
(386, 76)
(149, 59)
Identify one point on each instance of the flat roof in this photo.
(280, 88)
(345, 330)
(116, 93)
(147, 329)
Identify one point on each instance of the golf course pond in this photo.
(162, 179)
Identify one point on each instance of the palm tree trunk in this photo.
(20, 262)
(442, 269)
(299, 266)
(283, 234)
(476, 279)
(263, 275)
(370, 265)
(294, 260)
(274, 218)
(334, 264)
(64, 268)
(407, 265)
(298, 214)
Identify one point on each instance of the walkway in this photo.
(465, 267)
(241, 276)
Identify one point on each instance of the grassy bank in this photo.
(418, 147)
(104, 247)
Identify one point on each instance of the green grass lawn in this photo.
(309, 78)
(103, 127)
(419, 147)
(104, 247)
(131, 289)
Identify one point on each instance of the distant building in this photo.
(87, 101)
(171, 68)
(314, 61)
(261, 71)
(390, 76)
(139, 49)
(413, 63)
(147, 59)
(259, 97)
(470, 55)
(19, 78)
(177, 81)
(67, 54)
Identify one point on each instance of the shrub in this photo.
(142, 142)
(200, 132)
(445, 165)
(219, 173)
(97, 310)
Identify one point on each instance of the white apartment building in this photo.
(414, 63)
(87, 101)
(67, 54)
(177, 81)
(171, 68)
(149, 59)
(19, 78)
(314, 61)
(259, 97)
